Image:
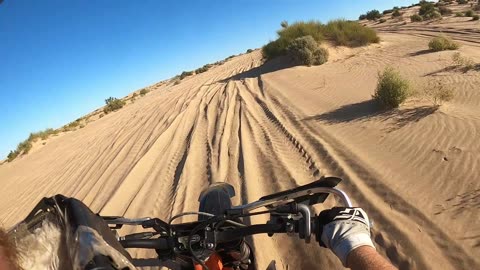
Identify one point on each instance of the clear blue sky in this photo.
(59, 59)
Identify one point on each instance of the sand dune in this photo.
(264, 129)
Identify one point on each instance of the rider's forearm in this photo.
(367, 258)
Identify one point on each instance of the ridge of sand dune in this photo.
(415, 170)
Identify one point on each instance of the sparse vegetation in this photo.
(43, 135)
(340, 32)
(442, 43)
(113, 104)
(305, 51)
(438, 93)
(475, 17)
(351, 34)
(426, 8)
(185, 74)
(428, 11)
(387, 11)
(459, 14)
(396, 13)
(101, 115)
(469, 13)
(203, 69)
(362, 17)
(143, 92)
(445, 11)
(71, 126)
(463, 62)
(177, 82)
(373, 15)
(22, 149)
(416, 18)
(249, 50)
(392, 90)
(462, 2)
(382, 20)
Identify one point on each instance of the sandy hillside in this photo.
(264, 129)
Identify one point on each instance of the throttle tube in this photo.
(158, 243)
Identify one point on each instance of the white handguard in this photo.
(347, 229)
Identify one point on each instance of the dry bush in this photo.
(438, 93)
(475, 17)
(396, 13)
(305, 51)
(392, 90)
(445, 11)
(113, 104)
(442, 43)
(143, 92)
(416, 18)
(185, 74)
(464, 62)
(469, 13)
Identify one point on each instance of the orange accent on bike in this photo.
(213, 263)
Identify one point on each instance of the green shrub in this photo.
(249, 50)
(24, 147)
(392, 90)
(475, 17)
(143, 92)
(442, 43)
(301, 29)
(459, 14)
(185, 74)
(469, 13)
(416, 18)
(112, 104)
(445, 11)
(12, 155)
(396, 13)
(203, 69)
(432, 15)
(320, 56)
(284, 24)
(387, 11)
(362, 17)
(305, 51)
(348, 33)
(426, 8)
(382, 20)
(44, 134)
(340, 32)
(373, 15)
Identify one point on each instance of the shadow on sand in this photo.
(275, 64)
(369, 110)
(421, 52)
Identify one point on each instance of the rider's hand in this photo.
(343, 229)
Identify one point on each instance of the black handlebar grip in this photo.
(158, 243)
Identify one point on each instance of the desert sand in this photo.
(264, 128)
